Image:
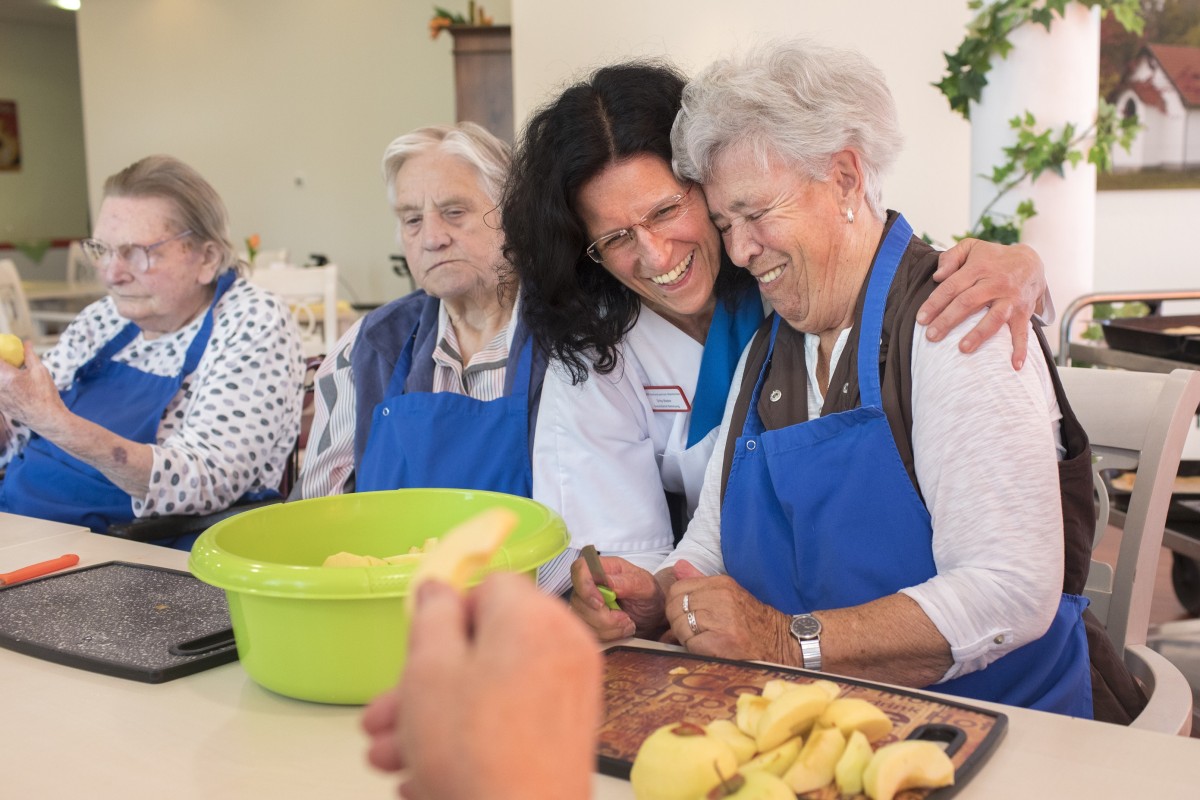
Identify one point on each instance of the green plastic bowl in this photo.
(340, 635)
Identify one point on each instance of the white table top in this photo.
(70, 733)
(16, 530)
(42, 291)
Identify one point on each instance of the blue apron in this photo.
(47, 482)
(449, 440)
(823, 515)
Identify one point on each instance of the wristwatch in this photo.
(807, 630)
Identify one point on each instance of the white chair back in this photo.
(311, 293)
(268, 259)
(80, 271)
(1137, 421)
(14, 308)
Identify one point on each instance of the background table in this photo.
(68, 733)
(40, 292)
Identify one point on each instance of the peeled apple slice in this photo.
(344, 559)
(465, 550)
(905, 765)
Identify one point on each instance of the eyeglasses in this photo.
(623, 242)
(137, 256)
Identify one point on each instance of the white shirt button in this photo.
(775, 395)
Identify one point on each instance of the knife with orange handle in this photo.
(39, 569)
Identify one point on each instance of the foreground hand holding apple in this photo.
(801, 736)
(465, 550)
(499, 699)
(455, 558)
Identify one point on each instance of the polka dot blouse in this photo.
(233, 423)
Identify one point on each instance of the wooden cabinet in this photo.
(483, 76)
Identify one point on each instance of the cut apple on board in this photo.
(849, 770)
(907, 765)
(777, 760)
(680, 762)
(752, 786)
(790, 714)
(850, 714)
(684, 760)
(815, 765)
(750, 708)
(743, 745)
(464, 550)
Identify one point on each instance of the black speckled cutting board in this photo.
(119, 619)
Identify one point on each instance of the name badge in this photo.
(667, 398)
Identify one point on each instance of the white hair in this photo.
(795, 99)
(489, 156)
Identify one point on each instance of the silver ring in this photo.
(685, 601)
(691, 618)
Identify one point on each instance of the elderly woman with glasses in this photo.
(626, 283)
(877, 505)
(178, 393)
(438, 388)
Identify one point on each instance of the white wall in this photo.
(284, 105)
(1144, 240)
(46, 198)
(557, 40)
(254, 93)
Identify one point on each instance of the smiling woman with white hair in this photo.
(878, 504)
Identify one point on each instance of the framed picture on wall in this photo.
(1155, 77)
(10, 142)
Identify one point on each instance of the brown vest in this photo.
(1115, 695)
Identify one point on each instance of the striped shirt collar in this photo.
(483, 378)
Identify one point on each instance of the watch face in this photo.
(805, 626)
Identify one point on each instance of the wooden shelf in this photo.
(483, 77)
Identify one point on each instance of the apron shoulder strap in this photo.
(760, 350)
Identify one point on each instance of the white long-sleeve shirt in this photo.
(603, 455)
(986, 442)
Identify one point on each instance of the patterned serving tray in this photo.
(645, 689)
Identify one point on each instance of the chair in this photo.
(171, 528)
(311, 293)
(80, 271)
(1136, 421)
(268, 259)
(15, 316)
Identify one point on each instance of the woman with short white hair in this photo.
(438, 388)
(877, 504)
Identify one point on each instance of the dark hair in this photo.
(575, 308)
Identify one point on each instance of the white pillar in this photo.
(1055, 75)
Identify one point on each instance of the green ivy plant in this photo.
(1035, 150)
